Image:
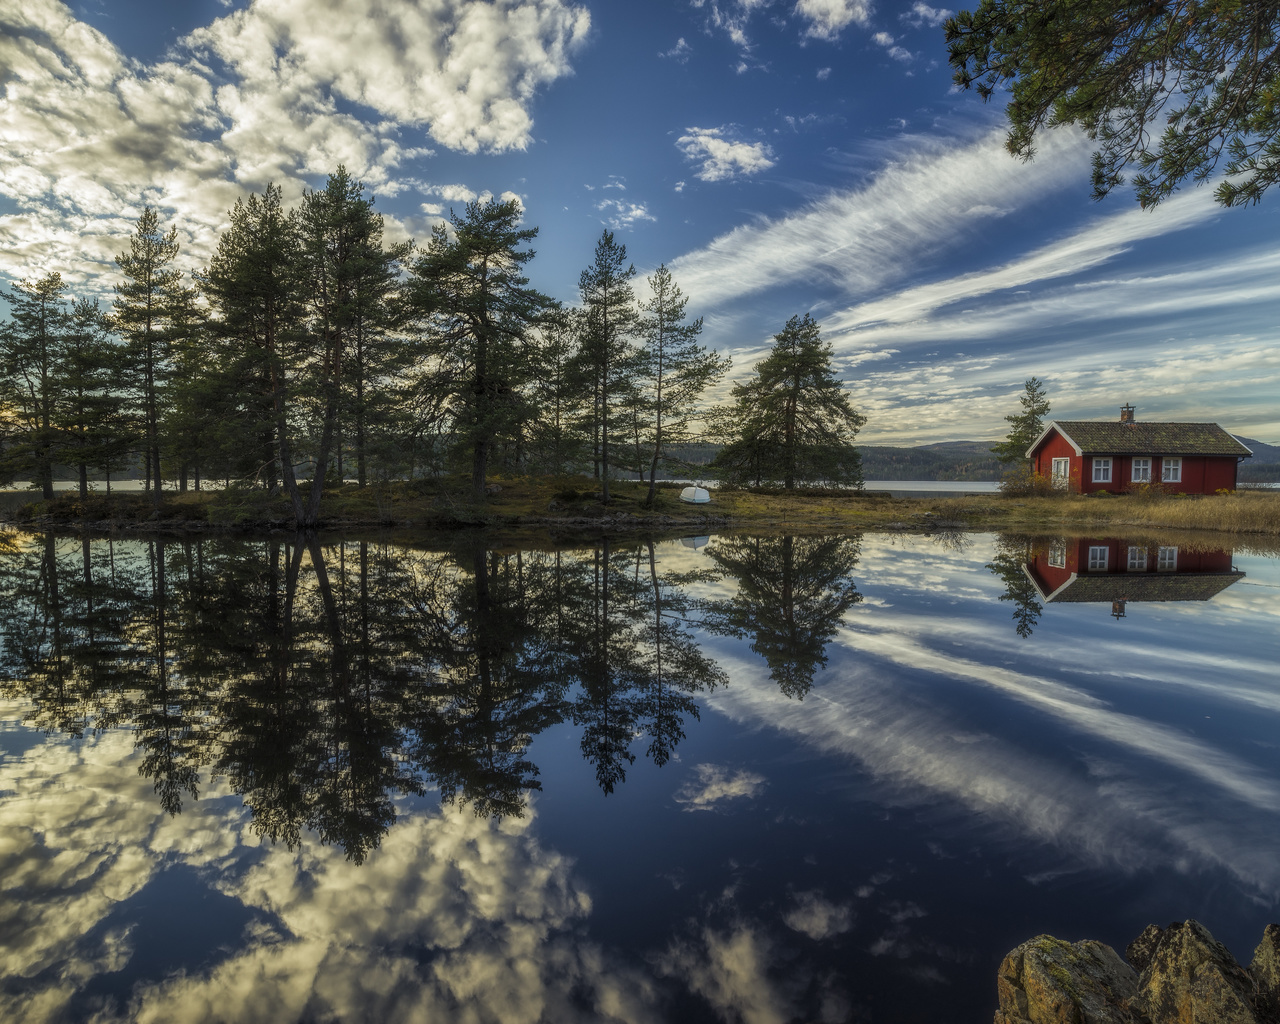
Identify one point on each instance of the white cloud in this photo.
(89, 135)
(730, 970)
(721, 157)
(887, 41)
(923, 14)
(619, 214)
(827, 18)
(862, 239)
(817, 917)
(823, 74)
(714, 785)
(680, 52)
(466, 70)
(1086, 248)
(452, 193)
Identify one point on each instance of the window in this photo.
(1141, 471)
(1102, 471)
(1137, 559)
(1098, 558)
(1061, 472)
(1167, 560)
(1171, 470)
(1057, 556)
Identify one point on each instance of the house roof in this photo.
(1187, 586)
(1111, 437)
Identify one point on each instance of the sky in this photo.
(780, 156)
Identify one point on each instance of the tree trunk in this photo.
(84, 482)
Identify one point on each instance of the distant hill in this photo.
(946, 460)
(1264, 467)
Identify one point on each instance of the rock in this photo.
(1193, 977)
(1139, 951)
(1184, 976)
(492, 489)
(1048, 981)
(1266, 974)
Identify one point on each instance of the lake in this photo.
(726, 778)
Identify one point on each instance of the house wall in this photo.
(1055, 446)
(1118, 558)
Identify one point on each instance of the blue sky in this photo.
(782, 157)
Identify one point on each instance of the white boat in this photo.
(695, 495)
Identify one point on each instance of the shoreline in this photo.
(558, 507)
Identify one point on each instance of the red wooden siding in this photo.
(1201, 474)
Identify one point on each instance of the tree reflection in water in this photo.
(324, 680)
(792, 594)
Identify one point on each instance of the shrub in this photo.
(1024, 482)
(1148, 493)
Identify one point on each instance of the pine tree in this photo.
(1025, 426)
(143, 316)
(352, 291)
(477, 316)
(609, 320)
(255, 282)
(89, 400)
(555, 439)
(793, 421)
(675, 368)
(31, 357)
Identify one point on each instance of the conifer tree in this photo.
(353, 281)
(143, 316)
(1025, 426)
(90, 399)
(676, 369)
(254, 283)
(477, 315)
(608, 303)
(792, 421)
(555, 437)
(31, 355)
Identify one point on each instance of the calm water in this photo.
(724, 779)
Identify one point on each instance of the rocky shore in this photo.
(1174, 975)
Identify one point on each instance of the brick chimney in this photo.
(1126, 413)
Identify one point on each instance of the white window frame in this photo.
(1137, 559)
(1060, 473)
(1167, 560)
(1171, 470)
(1141, 471)
(1099, 558)
(1102, 471)
(1057, 556)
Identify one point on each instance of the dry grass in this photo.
(570, 503)
(1240, 512)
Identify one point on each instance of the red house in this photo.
(1089, 455)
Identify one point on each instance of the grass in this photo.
(572, 503)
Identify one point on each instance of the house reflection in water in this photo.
(1107, 570)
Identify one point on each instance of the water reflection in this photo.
(792, 593)
(323, 681)
(1105, 570)
(290, 780)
